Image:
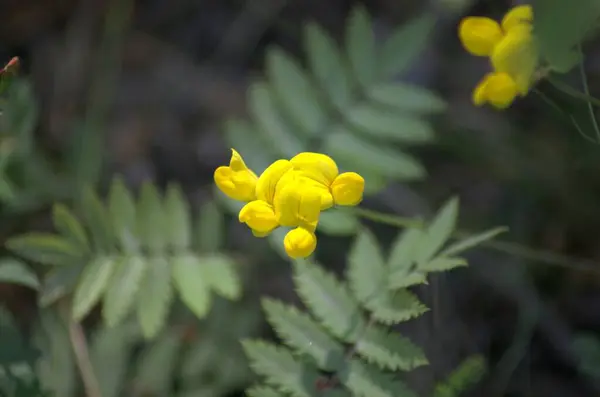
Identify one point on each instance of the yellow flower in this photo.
(298, 204)
(479, 35)
(300, 243)
(316, 166)
(259, 216)
(348, 188)
(269, 179)
(498, 89)
(522, 14)
(237, 181)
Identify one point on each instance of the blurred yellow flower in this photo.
(512, 52)
(290, 193)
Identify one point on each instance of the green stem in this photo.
(567, 89)
(506, 247)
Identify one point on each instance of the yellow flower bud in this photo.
(316, 166)
(237, 181)
(479, 35)
(522, 14)
(498, 89)
(259, 216)
(299, 243)
(348, 188)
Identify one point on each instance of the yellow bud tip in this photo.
(519, 15)
(259, 216)
(479, 35)
(299, 243)
(347, 189)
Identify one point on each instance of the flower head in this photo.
(237, 181)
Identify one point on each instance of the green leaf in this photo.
(123, 288)
(472, 241)
(210, 227)
(301, 333)
(402, 48)
(156, 365)
(45, 248)
(389, 125)
(336, 222)
(402, 260)
(58, 283)
(69, 226)
(92, 284)
(438, 232)
(265, 111)
(559, 28)
(262, 391)
(304, 107)
(360, 45)
(192, 284)
(14, 271)
(241, 134)
(442, 264)
(280, 368)
(220, 275)
(177, 214)
(121, 207)
(367, 273)
(98, 221)
(329, 300)
(354, 153)
(154, 297)
(393, 307)
(467, 374)
(327, 65)
(407, 97)
(151, 219)
(389, 350)
(367, 381)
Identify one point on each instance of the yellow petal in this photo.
(316, 166)
(236, 185)
(259, 216)
(348, 188)
(298, 204)
(300, 243)
(296, 176)
(237, 162)
(498, 89)
(479, 93)
(267, 182)
(517, 56)
(518, 15)
(479, 35)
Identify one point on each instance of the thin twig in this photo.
(82, 358)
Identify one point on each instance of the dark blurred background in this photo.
(161, 86)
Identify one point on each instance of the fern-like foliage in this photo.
(344, 345)
(346, 103)
(130, 255)
(468, 373)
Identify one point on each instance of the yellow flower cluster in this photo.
(289, 193)
(512, 52)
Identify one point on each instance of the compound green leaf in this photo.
(468, 373)
(58, 283)
(97, 220)
(357, 154)
(442, 264)
(281, 369)
(367, 273)
(360, 46)
(472, 241)
(192, 284)
(220, 275)
(302, 334)
(262, 391)
(328, 66)
(403, 272)
(438, 232)
(121, 206)
(151, 219)
(157, 363)
(329, 300)
(177, 212)
(391, 307)
(401, 49)
(123, 288)
(94, 280)
(407, 98)
(45, 248)
(154, 297)
(390, 125)
(389, 350)
(267, 115)
(304, 106)
(365, 380)
(14, 271)
(336, 222)
(210, 227)
(69, 226)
